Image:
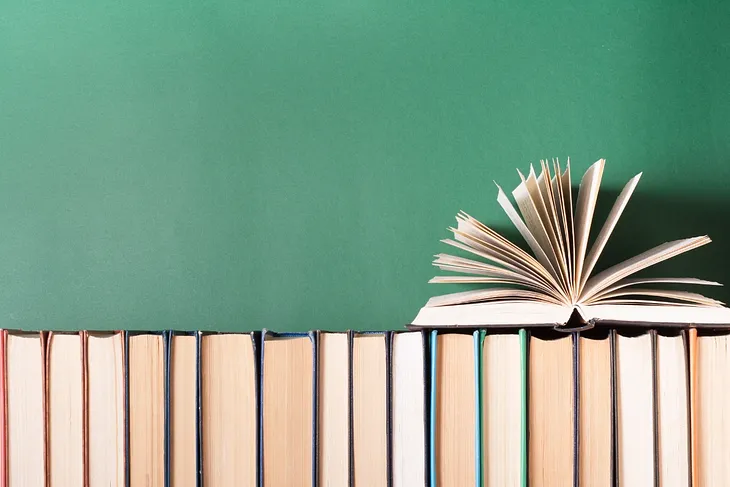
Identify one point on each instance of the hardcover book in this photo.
(556, 283)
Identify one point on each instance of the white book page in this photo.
(542, 202)
(489, 280)
(549, 198)
(638, 293)
(539, 230)
(474, 246)
(637, 313)
(584, 208)
(490, 294)
(408, 410)
(495, 314)
(532, 242)
(639, 262)
(672, 411)
(487, 237)
(560, 209)
(487, 273)
(565, 181)
(607, 229)
(634, 415)
(623, 283)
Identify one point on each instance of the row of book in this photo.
(411, 408)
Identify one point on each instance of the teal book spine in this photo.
(478, 347)
(524, 356)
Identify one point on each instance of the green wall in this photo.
(234, 165)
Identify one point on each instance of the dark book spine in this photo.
(576, 408)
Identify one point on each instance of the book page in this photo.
(491, 294)
(490, 235)
(634, 410)
(689, 297)
(474, 227)
(532, 242)
(538, 229)
(562, 217)
(486, 237)
(632, 312)
(652, 280)
(605, 233)
(584, 208)
(511, 312)
(492, 280)
(409, 411)
(467, 244)
(565, 181)
(550, 199)
(541, 206)
(495, 274)
(482, 268)
(639, 262)
(550, 412)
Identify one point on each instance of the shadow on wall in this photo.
(651, 219)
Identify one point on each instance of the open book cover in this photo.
(556, 284)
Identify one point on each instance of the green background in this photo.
(234, 165)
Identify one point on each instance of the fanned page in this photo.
(557, 276)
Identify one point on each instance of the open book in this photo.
(556, 283)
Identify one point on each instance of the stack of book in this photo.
(443, 407)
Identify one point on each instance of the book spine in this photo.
(314, 337)
(389, 407)
(199, 410)
(125, 355)
(477, 409)
(524, 432)
(83, 336)
(614, 409)
(692, 377)
(427, 413)
(3, 410)
(480, 398)
(432, 407)
(46, 338)
(167, 373)
(576, 408)
(688, 388)
(260, 398)
(351, 406)
(425, 396)
(257, 341)
(654, 405)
